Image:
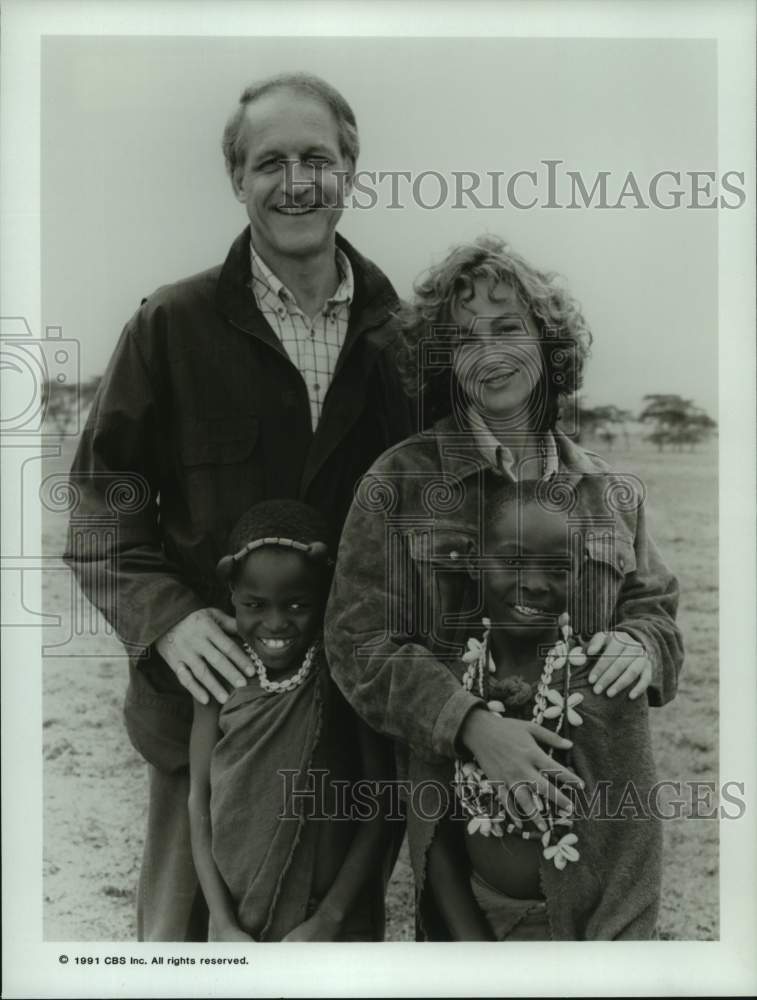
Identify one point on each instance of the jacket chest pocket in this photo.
(222, 469)
(608, 559)
(219, 441)
(444, 547)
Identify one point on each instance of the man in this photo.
(269, 376)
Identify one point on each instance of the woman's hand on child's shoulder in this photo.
(511, 755)
(319, 927)
(623, 661)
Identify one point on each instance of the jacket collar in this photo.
(460, 456)
(574, 460)
(234, 296)
(270, 289)
(374, 296)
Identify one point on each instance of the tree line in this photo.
(674, 422)
(64, 403)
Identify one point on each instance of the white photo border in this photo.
(31, 966)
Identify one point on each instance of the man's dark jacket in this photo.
(199, 415)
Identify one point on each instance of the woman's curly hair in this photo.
(557, 315)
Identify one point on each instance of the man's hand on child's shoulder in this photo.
(200, 644)
(623, 662)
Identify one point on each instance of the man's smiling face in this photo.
(294, 178)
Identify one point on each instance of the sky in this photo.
(134, 194)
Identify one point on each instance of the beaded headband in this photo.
(313, 550)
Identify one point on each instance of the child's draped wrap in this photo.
(613, 891)
(268, 861)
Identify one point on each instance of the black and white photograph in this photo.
(378, 482)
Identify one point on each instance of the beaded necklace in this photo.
(476, 793)
(290, 683)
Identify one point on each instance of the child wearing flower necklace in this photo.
(494, 871)
(270, 869)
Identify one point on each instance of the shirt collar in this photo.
(460, 457)
(267, 285)
(499, 457)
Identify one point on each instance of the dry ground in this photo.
(94, 783)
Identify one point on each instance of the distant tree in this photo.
(63, 403)
(676, 421)
(603, 423)
(87, 392)
(659, 438)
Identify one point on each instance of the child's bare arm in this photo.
(447, 878)
(366, 852)
(203, 739)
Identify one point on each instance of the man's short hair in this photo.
(234, 143)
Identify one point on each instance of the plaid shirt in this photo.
(313, 345)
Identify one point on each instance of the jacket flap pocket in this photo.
(442, 546)
(615, 550)
(219, 440)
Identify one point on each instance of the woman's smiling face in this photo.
(499, 363)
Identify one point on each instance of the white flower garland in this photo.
(476, 793)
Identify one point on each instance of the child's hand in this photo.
(231, 932)
(623, 662)
(319, 927)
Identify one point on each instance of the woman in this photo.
(492, 348)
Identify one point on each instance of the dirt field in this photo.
(94, 783)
